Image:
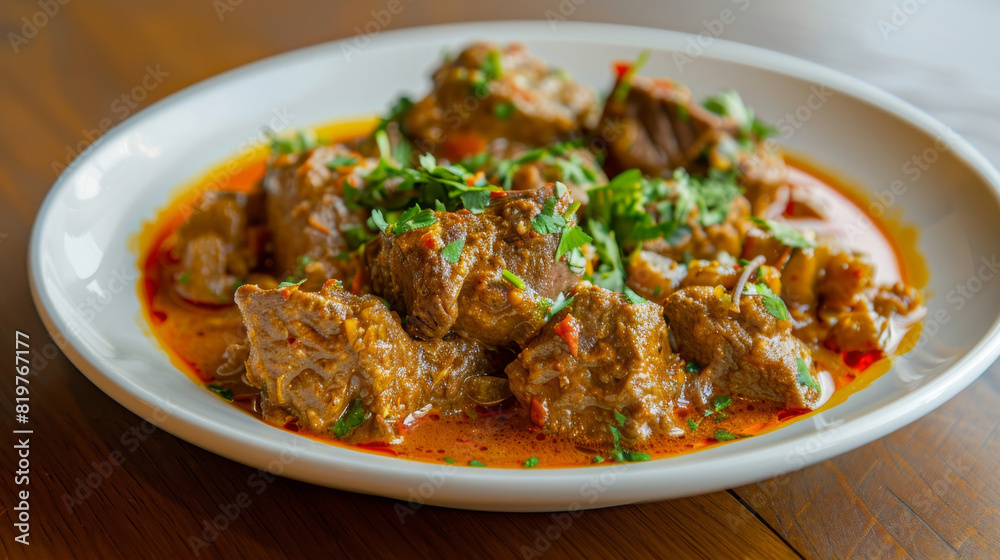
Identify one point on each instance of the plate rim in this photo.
(463, 483)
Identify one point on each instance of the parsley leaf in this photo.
(452, 252)
(531, 463)
(691, 425)
(413, 218)
(503, 111)
(633, 297)
(557, 306)
(772, 302)
(547, 221)
(379, 220)
(723, 435)
(721, 402)
(354, 416)
(341, 160)
(226, 394)
(291, 284)
(449, 460)
(620, 418)
(784, 233)
(476, 201)
(805, 377)
(729, 103)
(476, 463)
(692, 367)
(598, 459)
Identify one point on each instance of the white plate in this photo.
(83, 272)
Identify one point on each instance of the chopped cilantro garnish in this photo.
(503, 110)
(557, 306)
(721, 402)
(354, 416)
(561, 189)
(621, 91)
(598, 459)
(729, 103)
(396, 112)
(476, 463)
(620, 418)
(784, 233)
(287, 284)
(452, 252)
(573, 237)
(226, 394)
(547, 221)
(633, 297)
(379, 220)
(615, 434)
(449, 460)
(723, 435)
(691, 425)
(692, 367)
(531, 463)
(476, 201)
(413, 218)
(805, 377)
(513, 279)
(341, 160)
(636, 456)
(184, 278)
(772, 302)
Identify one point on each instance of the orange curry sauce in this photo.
(195, 337)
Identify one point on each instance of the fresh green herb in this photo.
(301, 141)
(633, 297)
(531, 463)
(513, 279)
(396, 113)
(489, 70)
(621, 90)
(620, 418)
(657, 290)
(729, 103)
(784, 233)
(341, 160)
(682, 113)
(805, 377)
(723, 435)
(503, 111)
(379, 220)
(573, 237)
(357, 236)
(720, 417)
(772, 302)
(573, 169)
(439, 206)
(561, 189)
(505, 169)
(721, 402)
(615, 435)
(557, 306)
(452, 252)
(609, 274)
(691, 425)
(291, 284)
(476, 201)
(476, 463)
(598, 459)
(226, 394)
(692, 367)
(635, 456)
(184, 278)
(449, 460)
(547, 221)
(413, 218)
(354, 416)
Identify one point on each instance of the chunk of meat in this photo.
(622, 364)
(749, 352)
(313, 354)
(654, 276)
(576, 168)
(217, 246)
(488, 93)
(657, 127)
(309, 218)
(834, 302)
(471, 296)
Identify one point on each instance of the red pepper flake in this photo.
(498, 194)
(859, 361)
(428, 241)
(569, 330)
(621, 67)
(537, 412)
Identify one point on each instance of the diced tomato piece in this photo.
(498, 194)
(462, 144)
(537, 412)
(621, 67)
(569, 330)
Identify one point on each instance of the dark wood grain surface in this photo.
(930, 490)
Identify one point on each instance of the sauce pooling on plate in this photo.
(542, 280)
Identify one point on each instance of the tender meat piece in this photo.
(711, 241)
(658, 127)
(217, 246)
(487, 93)
(749, 353)
(654, 276)
(760, 168)
(470, 297)
(314, 353)
(309, 216)
(834, 302)
(621, 362)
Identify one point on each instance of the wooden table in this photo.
(929, 490)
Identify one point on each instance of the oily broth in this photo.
(196, 337)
